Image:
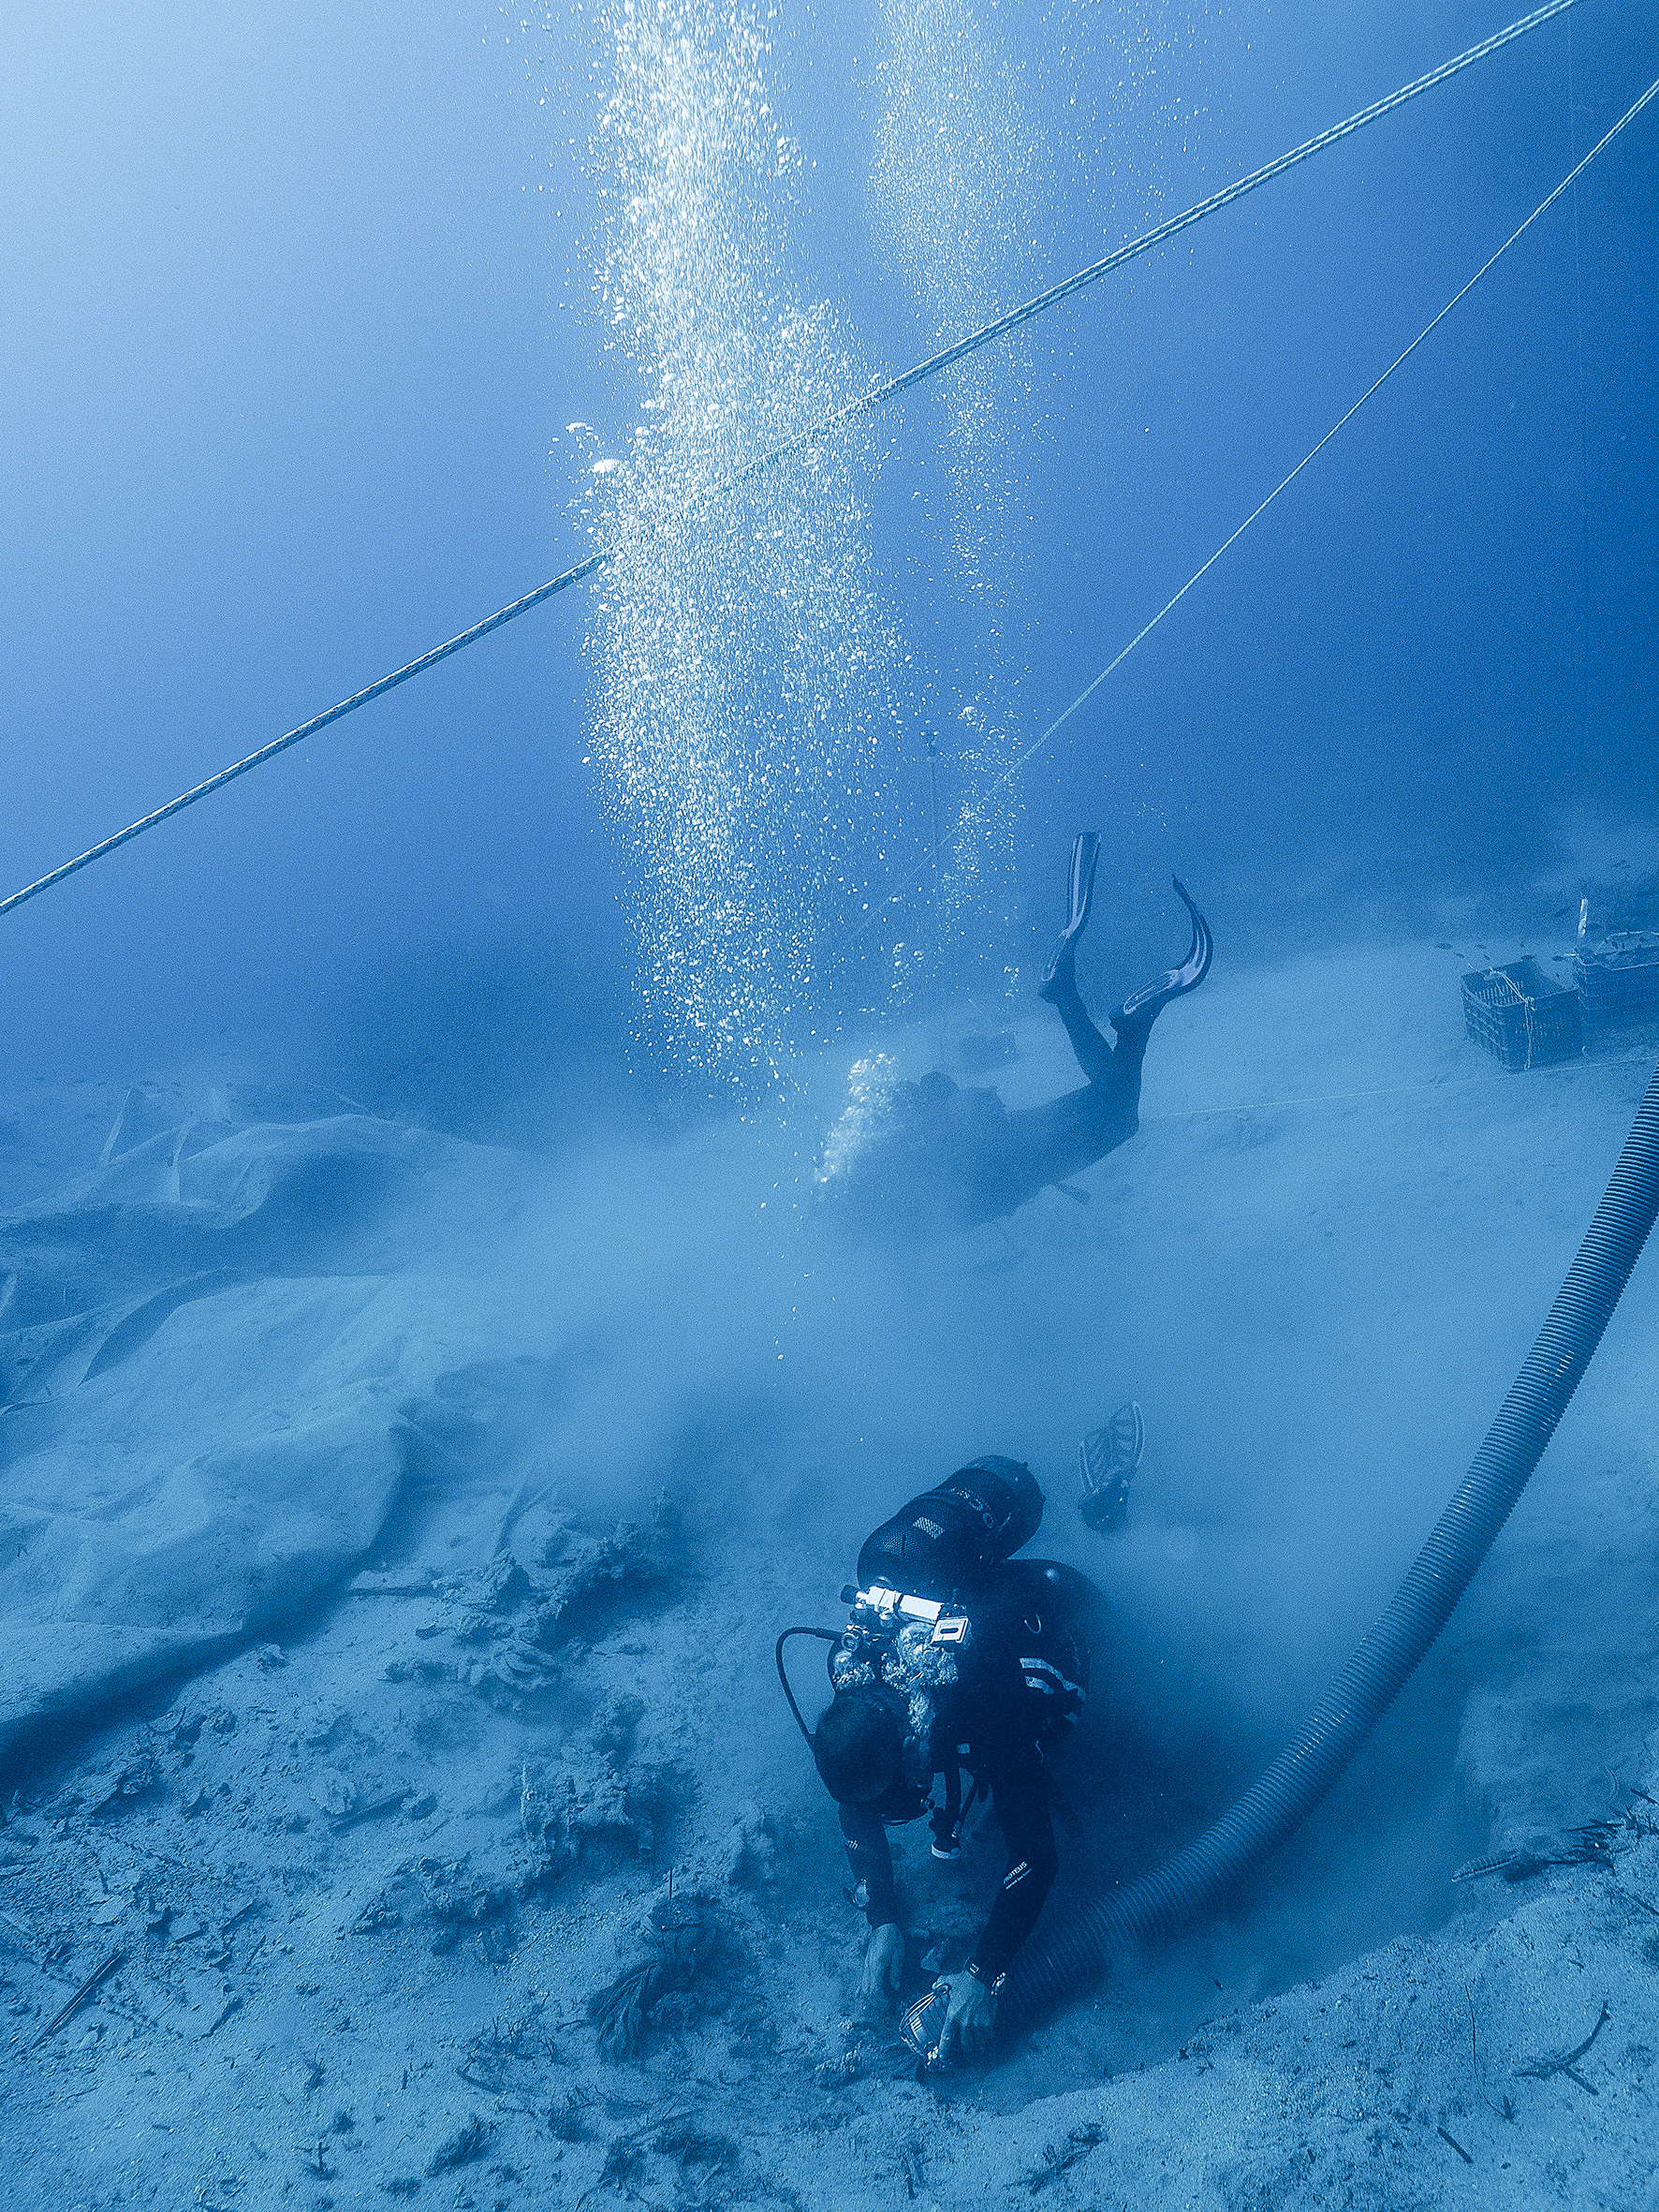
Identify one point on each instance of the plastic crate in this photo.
(1617, 977)
(1521, 1016)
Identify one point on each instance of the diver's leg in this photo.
(1096, 1057)
(1047, 1143)
(1133, 1021)
(1059, 986)
(1051, 1143)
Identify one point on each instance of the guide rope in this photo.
(814, 433)
(1543, 205)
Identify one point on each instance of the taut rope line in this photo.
(813, 433)
(1089, 689)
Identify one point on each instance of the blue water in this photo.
(297, 316)
(328, 333)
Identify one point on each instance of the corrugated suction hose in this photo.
(1200, 1877)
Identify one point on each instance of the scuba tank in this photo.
(950, 1535)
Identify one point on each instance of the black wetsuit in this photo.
(935, 1155)
(989, 1711)
(951, 1155)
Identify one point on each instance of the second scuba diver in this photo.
(935, 1154)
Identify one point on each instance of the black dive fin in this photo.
(1149, 1003)
(1085, 855)
(1109, 1457)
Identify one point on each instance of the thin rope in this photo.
(866, 403)
(879, 394)
(1583, 405)
(1163, 231)
(1145, 631)
(1406, 1090)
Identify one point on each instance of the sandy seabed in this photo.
(394, 1535)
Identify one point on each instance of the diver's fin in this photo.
(1109, 1457)
(1085, 854)
(1147, 1004)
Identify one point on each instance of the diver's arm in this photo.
(1021, 1798)
(871, 1861)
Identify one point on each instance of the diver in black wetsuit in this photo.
(958, 1656)
(943, 1155)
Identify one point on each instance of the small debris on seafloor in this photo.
(333, 1793)
(468, 2143)
(114, 1794)
(1058, 2161)
(568, 2117)
(694, 2145)
(354, 1815)
(1512, 1866)
(1591, 1844)
(379, 1913)
(367, 1585)
(678, 1940)
(1456, 2145)
(1568, 2062)
(93, 1982)
(623, 2162)
(317, 2160)
(494, 2052)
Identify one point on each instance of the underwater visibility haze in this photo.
(987, 1039)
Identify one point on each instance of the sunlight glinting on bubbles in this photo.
(747, 676)
(967, 196)
(958, 158)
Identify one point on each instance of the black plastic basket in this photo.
(1523, 1017)
(1618, 979)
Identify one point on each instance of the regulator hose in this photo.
(1076, 1956)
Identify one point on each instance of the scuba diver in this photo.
(933, 1152)
(957, 1657)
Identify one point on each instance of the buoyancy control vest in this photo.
(938, 1575)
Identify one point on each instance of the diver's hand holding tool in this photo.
(960, 2009)
(970, 2020)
